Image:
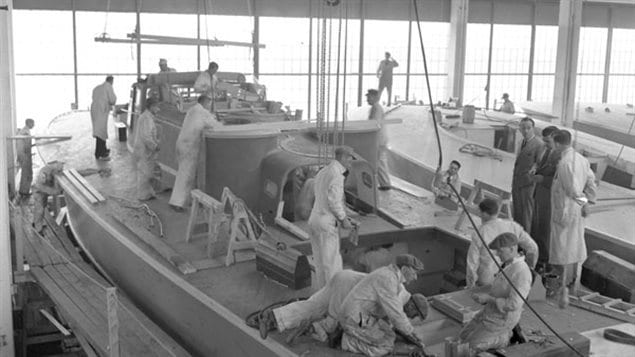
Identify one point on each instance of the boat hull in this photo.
(193, 319)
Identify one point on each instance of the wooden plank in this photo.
(599, 309)
(55, 323)
(87, 185)
(62, 237)
(87, 194)
(162, 248)
(113, 322)
(87, 348)
(459, 305)
(38, 246)
(72, 313)
(292, 228)
(93, 296)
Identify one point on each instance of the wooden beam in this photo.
(55, 323)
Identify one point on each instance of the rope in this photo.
(337, 78)
(425, 67)
(106, 19)
(344, 105)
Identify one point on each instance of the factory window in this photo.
(99, 57)
(287, 45)
(350, 97)
(591, 63)
(622, 71)
(436, 36)
(183, 58)
(291, 90)
(476, 58)
(229, 58)
(59, 91)
(510, 63)
(545, 51)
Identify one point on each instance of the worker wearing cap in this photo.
(377, 296)
(146, 151)
(163, 66)
(44, 187)
(508, 105)
(207, 82)
(23, 153)
(327, 215)
(481, 269)
(384, 73)
(377, 113)
(323, 307)
(492, 327)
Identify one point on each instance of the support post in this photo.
(488, 92)
(456, 48)
(408, 63)
(198, 35)
(138, 31)
(113, 322)
(607, 60)
(360, 78)
(310, 58)
(75, 57)
(532, 51)
(7, 128)
(569, 20)
(256, 41)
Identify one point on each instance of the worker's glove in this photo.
(585, 210)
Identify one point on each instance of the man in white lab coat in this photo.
(480, 266)
(572, 191)
(103, 99)
(377, 296)
(188, 145)
(492, 327)
(327, 215)
(377, 113)
(146, 152)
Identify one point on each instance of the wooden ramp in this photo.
(79, 293)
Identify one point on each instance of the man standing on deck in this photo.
(508, 105)
(207, 82)
(103, 99)
(146, 151)
(527, 160)
(543, 178)
(188, 145)
(480, 268)
(377, 113)
(24, 158)
(492, 327)
(572, 191)
(163, 66)
(384, 73)
(328, 213)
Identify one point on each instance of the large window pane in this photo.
(43, 41)
(436, 36)
(474, 90)
(59, 96)
(229, 58)
(621, 89)
(510, 48)
(545, 49)
(589, 88)
(542, 88)
(352, 48)
(623, 51)
(291, 90)
(350, 97)
(592, 50)
(419, 88)
(514, 85)
(287, 41)
(377, 41)
(99, 57)
(477, 48)
(182, 58)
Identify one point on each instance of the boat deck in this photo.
(239, 287)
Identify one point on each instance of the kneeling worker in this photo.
(376, 296)
(44, 187)
(188, 145)
(492, 327)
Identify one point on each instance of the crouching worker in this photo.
(323, 307)
(492, 327)
(373, 309)
(43, 187)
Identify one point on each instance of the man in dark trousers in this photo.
(527, 161)
(543, 177)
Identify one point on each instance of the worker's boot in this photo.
(266, 322)
(335, 337)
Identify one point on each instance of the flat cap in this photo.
(421, 303)
(344, 150)
(372, 92)
(506, 239)
(409, 260)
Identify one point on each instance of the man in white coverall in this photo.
(327, 215)
(377, 296)
(188, 144)
(572, 191)
(328, 302)
(492, 326)
(44, 187)
(103, 99)
(480, 266)
(146, 152)
(377, 113)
